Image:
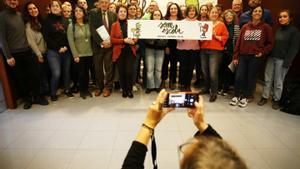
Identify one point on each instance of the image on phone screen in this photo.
(180, 100)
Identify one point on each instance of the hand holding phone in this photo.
(181, 100)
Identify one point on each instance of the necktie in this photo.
(104, 20)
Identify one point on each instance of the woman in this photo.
(226, 76)
(255, 42)
(173, 13)
(112, 7)
(155, 50)
(206, 150)
(59, 57)
(38, 45)
(203, 16)
(131, 12)
(212, 53)
(188, 51)
(139, 12)
(79, 38)
(285, 49)
(124, 51)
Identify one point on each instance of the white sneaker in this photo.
(234, 101)
(243, 102)
(135, 88)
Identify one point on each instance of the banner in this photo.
(165, 29)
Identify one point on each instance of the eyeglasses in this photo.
(183, 147)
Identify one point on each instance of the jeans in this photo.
(187, 62)
(154, 60)
(246, 75)
(44, 74)
(226, 77)
(274, 76)
(59, 64)
(210, 63)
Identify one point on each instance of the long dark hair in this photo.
(85, 17)
(35, 23)
(179, 14)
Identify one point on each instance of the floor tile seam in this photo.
(34, 156)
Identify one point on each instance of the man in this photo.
(237, 7)
(246, 16)
(152, 7)
(18, 54)
(83, 4)
(134, 2)
(102, 48)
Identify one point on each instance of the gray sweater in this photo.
(12, 33)
(36, 41)
(287, 41)
(79, 38)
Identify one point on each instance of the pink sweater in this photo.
(188, 44)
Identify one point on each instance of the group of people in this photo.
(67, 43)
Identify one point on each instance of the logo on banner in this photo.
(136, 30)
(169, 28)
(203, 29)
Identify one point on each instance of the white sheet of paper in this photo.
(232, 66)
(102, 32)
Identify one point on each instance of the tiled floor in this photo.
(96, 134)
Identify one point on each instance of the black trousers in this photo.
(172, 58)
(26, 72)
(125, 63)
(226, 77)
(83, 73)
(187, 62)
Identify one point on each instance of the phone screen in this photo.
(180, 100)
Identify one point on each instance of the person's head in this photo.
(139, 12)
(220, 8)
(83, 4)
(254, 3)
(122, 12)
(257, 13)
(174, 11)
(66, 11)
(183, 9)
(156, 15)
(79, 14)
(204, 11)
(134, 2)
(30, 11)
(213, 14)
(47, 9)
(67, 3)
(285, 17)
(152, 6)
(11, 3)
(191, 12)
(55, 7)
(209, 152)
(209, 5)
(131, 11)
(103, 4)
(230, 17)
(237, 6)
(112, 7)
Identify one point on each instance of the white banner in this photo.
(165, 29)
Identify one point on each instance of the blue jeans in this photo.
(246, 75)
(274, 76)
(59, 63)
(210, 64)
(154, 61)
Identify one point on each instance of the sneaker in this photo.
(213, 98)
(262, 101)
(69, 93)
(130, 95)
(275, 105)
(234, 101)
(243, 102)
(135, 88)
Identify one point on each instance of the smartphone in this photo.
(181, 99)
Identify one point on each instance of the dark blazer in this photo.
(95, 21)
(117, 39)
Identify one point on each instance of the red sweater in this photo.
(254, 39)
(214, 44)
(117, 39)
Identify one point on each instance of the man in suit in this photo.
(102, 48)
